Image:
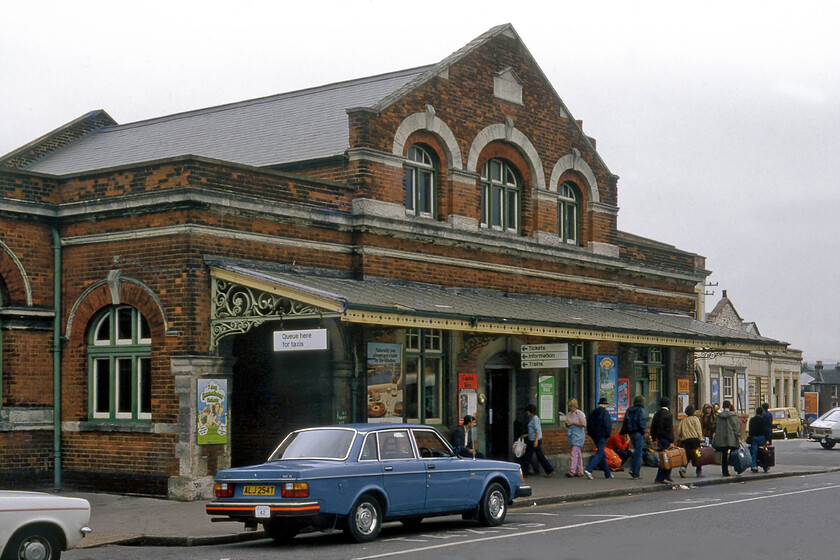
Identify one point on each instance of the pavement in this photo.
(145, 521)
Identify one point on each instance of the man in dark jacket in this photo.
(662, 432)
(599, 428)
(635, 425)
(462, 439)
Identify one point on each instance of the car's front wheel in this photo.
(34, 544)
(364, 520)
(828, 444)
(493, 507)
(282, 531)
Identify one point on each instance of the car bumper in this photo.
(258, 510)
(522, 492)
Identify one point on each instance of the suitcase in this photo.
(767, 457)
(740, 459)
(704, 456)
(672, 458)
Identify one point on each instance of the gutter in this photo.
(56, 352)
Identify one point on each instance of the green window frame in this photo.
(568, 213)
(119, 365)
(423, 394)
(500, 196)
(420, 182)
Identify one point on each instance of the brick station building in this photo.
(427, 242)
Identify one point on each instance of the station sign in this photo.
(534, 356)
(291, 341)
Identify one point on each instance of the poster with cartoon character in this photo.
(212, 411)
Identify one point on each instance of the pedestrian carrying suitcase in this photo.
(704, 456)
(672, 458)
(740, 458)
(767, 457)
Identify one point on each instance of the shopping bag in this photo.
(767, 457)
(519, 447)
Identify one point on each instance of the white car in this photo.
(38, 526)
(826, 428)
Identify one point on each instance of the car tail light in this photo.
(294, 490)
(223, 490)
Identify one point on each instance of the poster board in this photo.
(212, 417)
(384, 382)
(467, 395)
(547, 390)
(607, 382)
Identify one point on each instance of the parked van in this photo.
(786, 423)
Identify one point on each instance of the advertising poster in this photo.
(682, 397)
(384, 382)
(467, 395)
(607, 381)
(212, 411)
(742, 394)
(623, 396)
(546, 396)
(715, 390)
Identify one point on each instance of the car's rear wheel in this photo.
(364, 520)
(34, 544)
(828, 444)
(282, 531)
(493, 507)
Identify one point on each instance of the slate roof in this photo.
(388, 295)
(297, 126)
(827, 376)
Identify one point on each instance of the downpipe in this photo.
(56, 352)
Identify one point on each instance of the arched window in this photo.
(420, 179)
(568, 212)
(500, 196)
(119, 361)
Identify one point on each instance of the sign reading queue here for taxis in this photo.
(290, 341)
(544, 356)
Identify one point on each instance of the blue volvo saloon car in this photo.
(357, 476)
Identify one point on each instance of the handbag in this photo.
(519, 447)
(704, 455)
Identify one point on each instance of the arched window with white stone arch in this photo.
(568, 212)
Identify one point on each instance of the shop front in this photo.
(419, 353)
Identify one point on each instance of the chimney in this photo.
(818, 366)
(724, 295)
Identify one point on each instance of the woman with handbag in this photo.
(662, 433)
(576, 426)
(707, 420)
(727, 428)
(690, 433)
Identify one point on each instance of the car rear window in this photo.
(832, 416)
(315, 444)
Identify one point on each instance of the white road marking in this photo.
(600, 515)
(601, 521)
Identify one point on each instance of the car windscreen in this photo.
(315, 444)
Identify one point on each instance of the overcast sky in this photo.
(722, 119)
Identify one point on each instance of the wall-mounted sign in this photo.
(607, 385)
(544, 356)
(385, 383)
(546, 395)
(467, 395)
(290, 341)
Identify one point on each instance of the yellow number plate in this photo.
(258, 491)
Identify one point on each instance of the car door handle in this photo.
(389, 468)
(430, 466)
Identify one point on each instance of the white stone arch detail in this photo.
(113, 281)
(574, 162)
(430, 122)
(507, 133)
(22, 271)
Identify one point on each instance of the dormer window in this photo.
(568, 213)
(420, 175)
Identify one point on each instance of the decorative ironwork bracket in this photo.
(236, 309)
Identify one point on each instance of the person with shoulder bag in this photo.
(662, 433)
(757, 435)
(576, 426)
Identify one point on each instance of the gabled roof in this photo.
(299, 126)
(827, 376)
